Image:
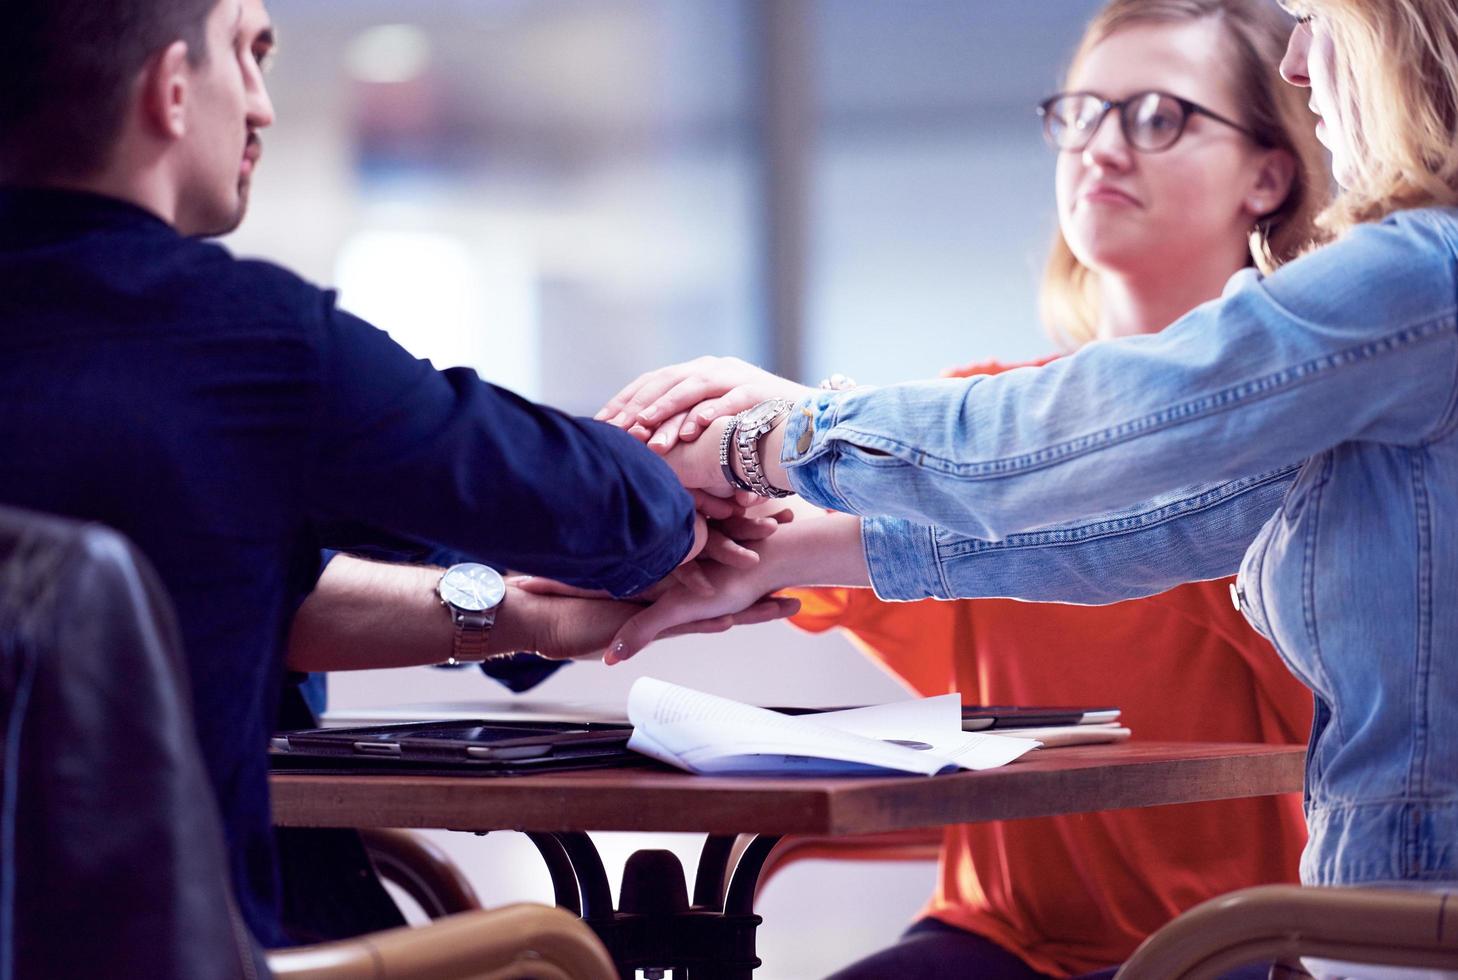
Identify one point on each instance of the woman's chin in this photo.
(1115, 254)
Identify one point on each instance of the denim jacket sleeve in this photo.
(1355, 341)
(1191, 535)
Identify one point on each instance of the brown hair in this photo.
(67, 68)
(1398, 64)
(1257, 32)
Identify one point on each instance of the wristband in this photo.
(725, 463)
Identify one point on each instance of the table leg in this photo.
(655, 929)
(713, 871)
(565, 888)
(739, 900)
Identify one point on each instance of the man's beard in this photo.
(245, 185)
(245, 188)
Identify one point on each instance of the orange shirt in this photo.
(1078, 893)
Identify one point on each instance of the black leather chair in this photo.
(111, 849)
(111, 853)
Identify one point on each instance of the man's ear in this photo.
(165, 91)
(1272, 184)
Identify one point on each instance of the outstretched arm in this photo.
(821, 550)
(366, 614)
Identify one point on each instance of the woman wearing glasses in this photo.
(1182, 158)
(1344, 364)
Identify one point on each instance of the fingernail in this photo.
(650, 413)
(659, 441)
(690, 428)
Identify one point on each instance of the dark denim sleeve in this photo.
(407, 453)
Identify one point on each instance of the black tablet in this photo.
(460, 743)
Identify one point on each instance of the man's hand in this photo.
(677, 403)
(562, 623)
(731, 590)
(823, 549)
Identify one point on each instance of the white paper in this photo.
(704, 733)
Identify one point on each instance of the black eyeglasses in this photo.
(1151, 121)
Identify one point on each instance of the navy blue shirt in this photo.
(232, 422)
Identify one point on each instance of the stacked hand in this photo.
(822, 549)
(672, 408)
(561, 622)
(747, 549)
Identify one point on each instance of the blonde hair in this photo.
(1398, 69)
(1256, 33)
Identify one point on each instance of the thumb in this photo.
(674, 609)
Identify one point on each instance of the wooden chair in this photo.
(517, 942)
(422, 870)
(112, 860)
(1286, 922)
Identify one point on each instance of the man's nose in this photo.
(260, 106)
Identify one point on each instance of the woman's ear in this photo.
(1274, 178)
(163, 89)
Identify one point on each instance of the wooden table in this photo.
(745, 817)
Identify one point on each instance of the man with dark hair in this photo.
(66, 75)
(226, 416)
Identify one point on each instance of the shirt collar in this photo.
(28, 213)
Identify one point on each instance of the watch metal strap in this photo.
(747, 444)
(472, 631)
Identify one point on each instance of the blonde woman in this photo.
(1208, 164)
(1154, 217)
(1343, 364)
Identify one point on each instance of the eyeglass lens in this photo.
(1151, 121)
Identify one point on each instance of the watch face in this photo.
(472, 587)
(759, 415)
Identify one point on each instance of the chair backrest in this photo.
(111, 850)
(1411, 929)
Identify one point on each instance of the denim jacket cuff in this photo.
(810, 475)
(902, 559)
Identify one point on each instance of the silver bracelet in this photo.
(725, 464)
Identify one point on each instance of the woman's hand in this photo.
(677, 403)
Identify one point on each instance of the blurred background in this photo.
(565, 193)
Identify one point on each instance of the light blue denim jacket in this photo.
(1334, 381)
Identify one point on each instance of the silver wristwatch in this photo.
(473, 593)
(753, 424)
